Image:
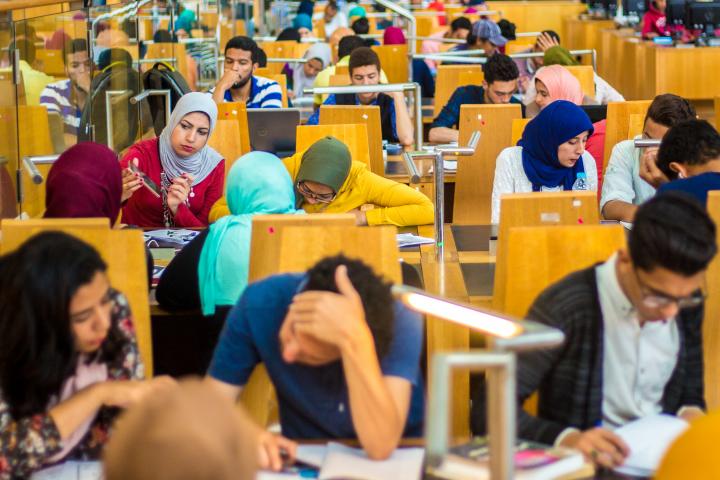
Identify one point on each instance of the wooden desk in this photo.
(580, 34)
(538, 15)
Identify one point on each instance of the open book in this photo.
(648, 439)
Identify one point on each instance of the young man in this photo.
(364, 68)
(343, 356)
(333, 18)
(238, 84)
(623, 187)
(633, 336)
(67, 97)
(528, 66)
(689, 158)
(459, 30)
(486, 35)
(501, 77)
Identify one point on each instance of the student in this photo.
(498, 86)
(549, 156)
(421, 73)
(689, 157)
(654, 21)
(289, 34)
(623, 188)
(238, 84)
(67, 97)
(344, 358)
(355, 13)
(303, 24)
(528, 66)
(364, 68)
(34, 81)
(486, 36)
(361, 26)
(68, 355)
(328, 181)
(212, 270)
(333, 19)
(189, 173)
(318, 57)
(186, 433)
(459, 30)
(633, 337)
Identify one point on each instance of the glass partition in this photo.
(8, 121)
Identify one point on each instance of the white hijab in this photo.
(202, 163)
(322, 52)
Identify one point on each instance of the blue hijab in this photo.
(303, 20)
(554, 125)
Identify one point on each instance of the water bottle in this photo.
(580, 182)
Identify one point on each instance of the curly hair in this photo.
(501, 68)
(693, 142)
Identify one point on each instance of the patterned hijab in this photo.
(201, 163)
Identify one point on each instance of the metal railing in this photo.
(411, 28)
(29, 164)
(466, 56)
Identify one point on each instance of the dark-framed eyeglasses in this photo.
(652, 298)
(320, 197)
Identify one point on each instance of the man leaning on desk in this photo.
(344, 358)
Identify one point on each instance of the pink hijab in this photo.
(394, 36)
(561, 84)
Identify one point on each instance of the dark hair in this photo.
(461, 22)
(289, 34)
(374, 292)
(673, 231)
(361, 26)
(74, 46)
(244, 43)
(261, 58)
(501, 68)
(362, 57)
(332, 4)
(507, 29)
(26, 47)
(552, 34)
(111, 55)
(37, 349)
(163, 36)
(693, 142)
(348, 44)
(669, 110)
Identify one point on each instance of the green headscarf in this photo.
(328, 162)
(185, 20)
(258, 183)
(558, 56)
(357, 12)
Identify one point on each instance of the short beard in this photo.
(241, 83)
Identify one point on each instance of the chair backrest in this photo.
(238, 112)
(716, 103)
(342, 70)
(447, 80)
(122, 250)
(394, 62)
(339, 80)
(636, 125)
(518, 127)
(711, 328)
(263, 72)
(367, 114)
(618, 118)
(226, 141)
(267, 232)
(475, 174)
(519, 45)
(540, 256)
(586, 76)
(424, 27)
(52, 61)
(353, 135)
(534, 210)
(278, 49)
(170, 50)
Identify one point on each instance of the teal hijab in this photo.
(258, 183)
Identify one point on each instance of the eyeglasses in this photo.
(320, 197)
(651, 298)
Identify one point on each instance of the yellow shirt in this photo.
(34, 82)
(395, 203)
(322, 79)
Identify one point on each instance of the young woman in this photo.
(68, 356)
(212, 270)
(188, 173)
(549, 157)
(302, 75)
(328, 181)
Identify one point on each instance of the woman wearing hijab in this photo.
(211, 271)
(549, 157)
(290, 34)
(328, 181)
(303, 75)
(303, 24)
(188, 173)
(421, 71)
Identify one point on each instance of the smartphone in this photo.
(646, 143)
(147, 182)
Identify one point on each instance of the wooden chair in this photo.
(448, 79)
(170, 50)
(475, 174)
(519, 45)
(52, 61)
(342, 70)
(537, 209)
(226, 141)
(263, 72)
(711, 329)
(518, 127)
(353, 135)
(281, 49)
(339, 80)
(237, 111)
(367, 114)
(586, 76)
(618, 115)
(716, 103)
(424, 27)
(394, 62)
(122, 250)
(636, 125)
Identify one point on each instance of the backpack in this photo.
(163, 77)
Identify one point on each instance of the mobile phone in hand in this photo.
(147, 182)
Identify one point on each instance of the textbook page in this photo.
(648, 439)
(347, 463)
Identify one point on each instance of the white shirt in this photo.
(638, 361)
(338, 21)
(622, 177)
(510, 177)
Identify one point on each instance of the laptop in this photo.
(273, 130)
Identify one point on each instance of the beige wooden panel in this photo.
(281, 49)
(716, 102)
(537, 209)
(711, 327)
(618, 118)
(226, 141)
(367, 114)
(170, 50)
(34, 139)
(447, 80)
(339, 80)
(636, 125)
(237, 111)
(353, 135)
(518, 127)
(475, 174)
(394, 62)
(52, 62)
(586, 76)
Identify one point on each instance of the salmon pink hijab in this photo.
(561, 84)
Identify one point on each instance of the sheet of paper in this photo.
(311, 454)
(264, 475)
(347, 463)
(71, 471)
(649, 438)
(410, 240)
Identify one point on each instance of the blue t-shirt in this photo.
(313, 400)
(697, 186)
(332, 100)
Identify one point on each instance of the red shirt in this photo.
(596, 146)
(144, 209)
(654, 21)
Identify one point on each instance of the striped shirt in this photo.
(264, 93)
(57, 97)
